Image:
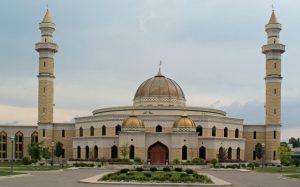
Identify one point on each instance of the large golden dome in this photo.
(133, 122)
(159, 91)
(184, 122)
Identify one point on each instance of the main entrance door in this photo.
(158, 154)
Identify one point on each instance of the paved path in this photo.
(70, 178)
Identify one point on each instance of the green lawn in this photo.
(6, 173)
(157, 176)
(296, 176)
(7, 164)
(19, 167)
(278, 170)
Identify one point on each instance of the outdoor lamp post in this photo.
(263, 153)
(12, 138)
(52, 149)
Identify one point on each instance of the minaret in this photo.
(46, 49)
(273, 50)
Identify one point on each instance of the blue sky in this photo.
(212, 48)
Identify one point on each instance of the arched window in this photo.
(229, 152)
(19, 138)
(44, 132)
(118, 129)
(274, 135)
(91, 131)
(202, 153)
(254, 155)
(254, 135)
(199, 129)
(3, 144)
(103, 130)
(34, 137)
(63, 153)
(274, 155)
(63, 133)
(87, 152)
(238, 153)
(78, 152)
(213, 131)
(158, 128)
(184, 153)
(95, 152)
(131, 152)
(114, 152)
(80, 132)
(225, 132)
(237, 132)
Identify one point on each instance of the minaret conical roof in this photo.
(47, 17)
(273, 18)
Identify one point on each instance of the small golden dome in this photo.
(184, 122)
(133, 122)
(273, 18)
(47, 17)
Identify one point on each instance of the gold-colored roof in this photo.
(184, 122)
(159, 85)
(47, 17)
(133, 122)
(273, 18)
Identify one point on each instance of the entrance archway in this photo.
(158, 154)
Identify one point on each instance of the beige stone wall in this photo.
(270, 67)
(46, 65)
(251, 143)
(273, 103)
(272, 145)
(45, 102)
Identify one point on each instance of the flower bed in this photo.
(157, 176)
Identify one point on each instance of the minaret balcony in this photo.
(273, 47)
(46, 46)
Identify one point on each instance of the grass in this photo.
(278, 170)
(295, 176)
(157, 176)
(7, 173)
(7, 164)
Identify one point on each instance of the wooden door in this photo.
(158, 154)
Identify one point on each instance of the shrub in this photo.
(139, 169)
(166, 169)
(26, 161)
(178, 169)
(137, 160)
(243, 165)
(176, 162)
(256, 165)
(125, 170)
(251, 165)
(189, 171)
(297, 162)
(147, 174)
(184, 175)
(153, 169)
(196, 161)
(214, 162)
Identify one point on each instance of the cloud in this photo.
(286, 134)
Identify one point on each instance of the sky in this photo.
(107, 48)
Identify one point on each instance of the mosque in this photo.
(159, 127)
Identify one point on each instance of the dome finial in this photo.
(273, 18)
(47, 17)
(159, 69)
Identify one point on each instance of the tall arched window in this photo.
(34, 137)
(199, 129)
(114, 152)
(254, 135)
(44, 132)
(63, 133)
(80, 132)
(3, 144)
(202, 153)
(229, 152)
(184, 153)
(19, 138)
(238, 153)
(237, 132)
(158, 128)
(274, 135)
(103, 130)
(225, 132)
(213, 131)
(92, 131)
(118, 129)
(131, 152)
(87, 152)
(78, 152)
(95, 152)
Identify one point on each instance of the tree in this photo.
(124, 150)
(35, 151)
(46, 153)
(58, 150)
(284, 155)
(222, 155)
(259, 151)
(294, 141)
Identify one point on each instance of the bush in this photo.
(125, 170)
(256, 165)
(176, 162)
(196, 161)
(139, 169)
(26, 160)
(137, 160)
(189, 171)
(243, 165)
(166, 169)
(178, 169)
(153, 169)
(214, 162)
(182, 175)
(297, 162)
(251, 165)
(147, 174)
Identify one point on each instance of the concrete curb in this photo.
(229, 169)
(216, 181)
(15, 176)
